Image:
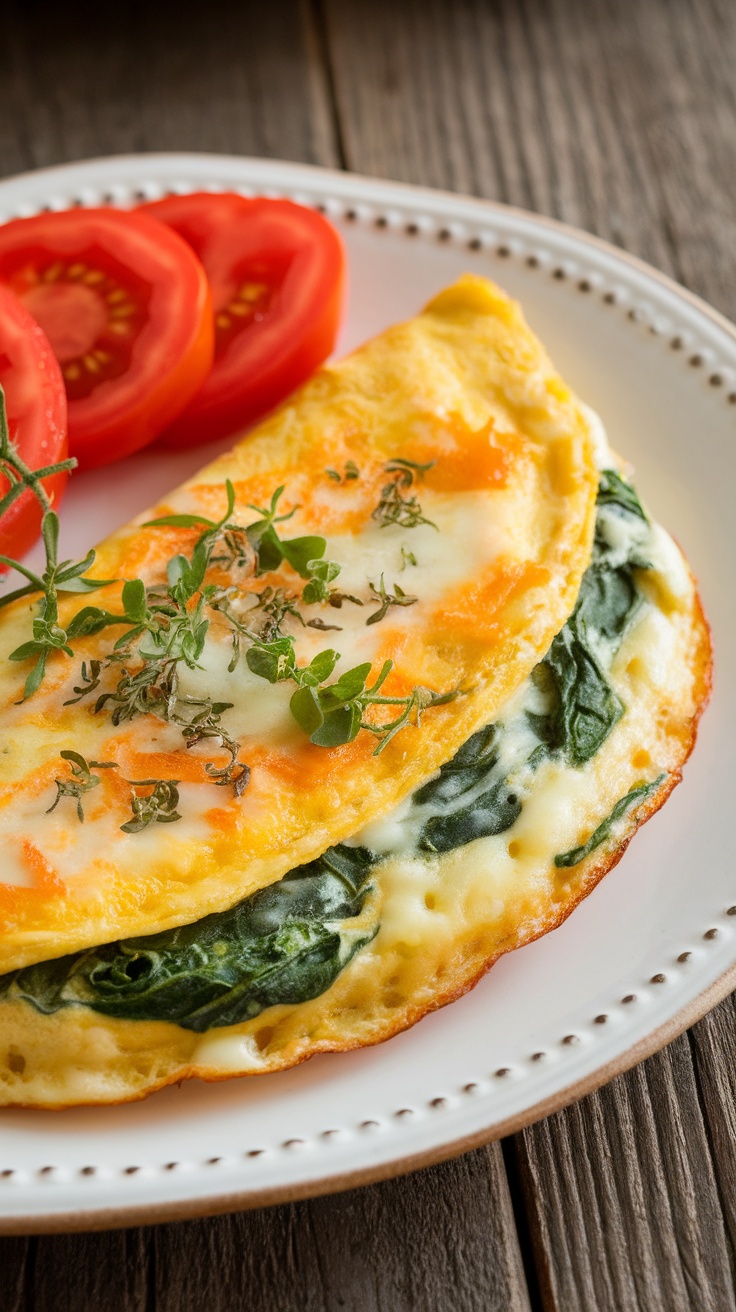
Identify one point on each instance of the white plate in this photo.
(655, 944)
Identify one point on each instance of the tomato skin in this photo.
(290, 251)
(36, 407)
(163, 350)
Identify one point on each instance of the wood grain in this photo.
(616, 116)
(233, 76)
(609, 114)
(453, 1246)
(713, 1041)
(623, 1199)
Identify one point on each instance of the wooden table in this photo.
(618, 116)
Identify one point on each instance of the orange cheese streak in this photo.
(473, 610)
(46, 884)
(183, 766)
(464, 460)
(36, 781)
(475, 460)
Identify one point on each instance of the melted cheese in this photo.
(511, 492)
(443, 919)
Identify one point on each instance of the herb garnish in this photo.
(351, 472)
(165, 625)
(271, 550)
(396, 508)
(396, 598)
(58, 576)
(159, 805)
(81, 782)
(334, 715)
(407, 558)
(274, 604)
(638, 794)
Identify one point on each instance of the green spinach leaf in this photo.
(284, 944)
(613, 490)
(635, 796)
(466, 808)
(585, 706)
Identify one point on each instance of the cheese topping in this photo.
(474, 461)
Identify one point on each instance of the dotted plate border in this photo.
(320, 189)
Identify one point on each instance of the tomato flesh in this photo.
(276, 272)
(127, 309)
(36, 408)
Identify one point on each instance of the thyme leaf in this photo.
(395, 507)
(335, 714)
(271, 550)
(321, 574)
(350, 473)
(82, 780)
(159, 805)
(396, 598)
(58, 576)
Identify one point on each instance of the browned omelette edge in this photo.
(591, 873)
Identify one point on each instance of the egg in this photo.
(449, 473)
(439, 912)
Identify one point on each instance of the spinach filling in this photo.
(286, 943)
(289, 942)
(637, 795)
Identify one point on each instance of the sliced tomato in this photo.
(276, 272)
(36, 408)
(126, 307)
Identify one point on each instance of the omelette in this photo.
(307, 629)
(502, 797)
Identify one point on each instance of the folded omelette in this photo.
(441, 665)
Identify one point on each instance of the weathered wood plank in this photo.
(16, 1260)
(236, 76)
(618, 118)
(443, 1238)
(88, 1273)
(713, 1041)
(622, 1197)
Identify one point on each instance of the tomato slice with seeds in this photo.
(126, 306)
(276, 271)
(36, 408)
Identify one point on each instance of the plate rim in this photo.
(103, 1218)
(86, 1220)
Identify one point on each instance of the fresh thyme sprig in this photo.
(19, 475)
(58, 576)
(395, 507)
(200, 720)
(351, 472)
(158, 805)
(321, 574)
(335, 714)
(274, 604)
(166, 632)
(396, 598)
(82, 780)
